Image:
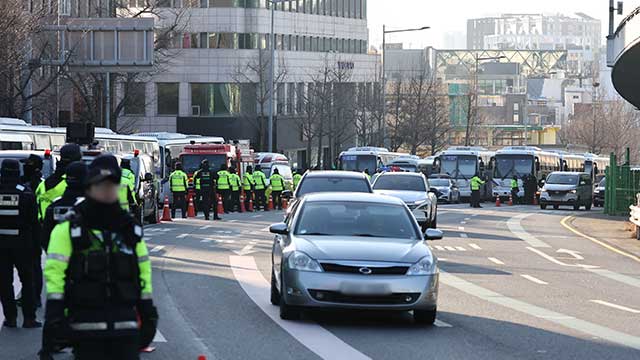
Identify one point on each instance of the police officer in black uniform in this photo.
(32, 178)
(208, 191)
(59, 209)
(17, 219)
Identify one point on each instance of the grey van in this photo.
(567, 188)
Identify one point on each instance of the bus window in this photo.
(42, 141)
(57, 141)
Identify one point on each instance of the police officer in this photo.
(56, 213)
(54, 186)
(476, 185)
(178, 184)
(127, 194)
(515, 189)
(32, 179)
(277, 187)
(17, 242)
(234, 180)
(98, 274)
(261, 184)
(206, 178)
(248, 185)
(224, 187)
(197, 202)
(296, 178)
(366, 173)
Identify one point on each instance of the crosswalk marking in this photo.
(460, 248)
(495, 261)
(475, 247)
(464, 236)
(442, 324)
(438, 247)
(157, 248)
(450, 248)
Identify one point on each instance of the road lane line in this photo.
(442, 324)
(475, 247)
(460, 248)
(206, 227)
(438, 247)
(313, 336)
(206, 241)
(542, 313)
(467, 219)
(256, 216)
(495, 261)
(535, 280)
(157, 248)
(450, 248)
(182, 236)
(463, 222)
(159, 338)
(625, 279)
(564, 223)
(464, 236)
(515, 226)
(461, 228)
(615, 306)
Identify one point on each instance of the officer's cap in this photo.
(77, 173)
(34, 161)
(70, 152)
(104, 168)
(10, 170)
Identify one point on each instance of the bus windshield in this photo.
(459, 166)
(513, 165)
(359, 163)
(191, 162)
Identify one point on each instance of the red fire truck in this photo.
(217, 154)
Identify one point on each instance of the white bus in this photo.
(407, 163)
(521, 161)
(596, 165)
(31, 137)
(461, 163)
(367, 158)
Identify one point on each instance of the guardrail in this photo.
(634, 215)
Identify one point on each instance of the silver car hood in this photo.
(559, 187)
(361, 249)
(408, 197)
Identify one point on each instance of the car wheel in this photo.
(287, 312)
(275, 294)
(543, 206)
(425, 317)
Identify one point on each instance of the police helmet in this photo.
(77, 173)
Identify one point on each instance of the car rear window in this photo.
(332, 184)
(399, 182)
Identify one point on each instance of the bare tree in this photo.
(397, 97)
(368, 113)
(255, 73)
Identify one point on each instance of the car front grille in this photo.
(351, 269)
(336, 297)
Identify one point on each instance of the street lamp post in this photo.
(272, 71)
(476, 80)
(385, 138)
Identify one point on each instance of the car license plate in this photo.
(364, 289)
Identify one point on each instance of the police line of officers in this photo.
(98, 272)
(226, 185)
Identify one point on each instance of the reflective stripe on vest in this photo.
(10, 211)
(223, 180)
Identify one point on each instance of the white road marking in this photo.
(558, 262)
(248, 249)
(442, 324)
(542, 313)
(256, 216)
(467, 219)
(625, 279)
(157, 248)
(464, 236)
(450, 248)
(182, 236)
(535, 280)
(463, 222)
(475, 247)
(516, 228)
(495, 261)
(461, 228)
(460, 248)
(159, 338)
(206, 227)
(266, 229)
(438, 247)
(206, 241)
(232, 221)
(576, 254)
(313, 336)
(615, 306)
(443, 259)
(474, 215)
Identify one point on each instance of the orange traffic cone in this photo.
(535, 200)
(510, 200)
(166, 212)
(251, 204)
(498, 201)
(242, 209)
(191, 210)
(220, 207)
(285, 204)
(270, 203)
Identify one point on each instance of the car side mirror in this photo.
(279, 228)
(433, 234)
(148, 177)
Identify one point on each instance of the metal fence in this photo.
(623, 184)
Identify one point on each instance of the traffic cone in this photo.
(220, 207)
(510, 200)
(166, 212)
(270, 203)
(285, 204)
(191, 210)
(498, 201)
(535, 200)
(202, 357)
(251, 204)
(242, 209)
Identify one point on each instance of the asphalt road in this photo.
(515, 284)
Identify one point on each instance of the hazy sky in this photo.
(451, 16)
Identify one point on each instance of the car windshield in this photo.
(283, 170)
(459, 166)
(400, 182)
(191, 163)
(513, 165)
(438, 182)
(562, 179)
(406, 167)
(359, 219)
(332, 184)
(359, 163)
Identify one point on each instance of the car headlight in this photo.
(303, 262)
(573, 191)
(596, 191)
(428, 265)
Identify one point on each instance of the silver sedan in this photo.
(353, 251)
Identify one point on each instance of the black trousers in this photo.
(260, 200)
(197, 201)
(121, 348)
(514, 195)
(205, 204)
(179, 201)
(235, 200)
(37, 276)
(226, 199)
(248, 194)
(475, 198)
(22, 259)
(276, 197)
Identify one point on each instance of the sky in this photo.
(451, 16)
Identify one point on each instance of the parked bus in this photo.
(461, 163)
(31, 137)
(427, 166)
(596, 165)
(407, 163)
(521, 161)
(367, 158)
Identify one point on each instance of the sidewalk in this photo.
(610, 229)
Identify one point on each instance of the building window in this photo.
(300, 98)
(215, 99)
(291, 97)
(280, 99)
(168, 98)
(134, 98)
(223, 41)
(65, 7)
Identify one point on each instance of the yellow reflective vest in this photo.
(223, 180)
(178, 181)
(277, 182)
